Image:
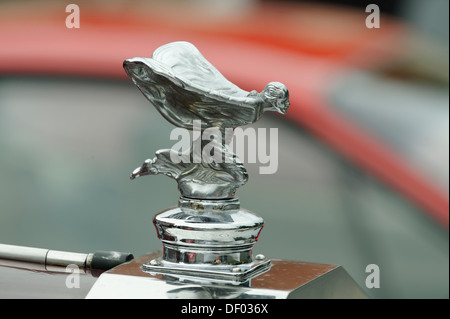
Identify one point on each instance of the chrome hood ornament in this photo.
(208, 234)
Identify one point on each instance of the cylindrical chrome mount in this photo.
(208, 238)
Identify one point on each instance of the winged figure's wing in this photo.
(184, 87)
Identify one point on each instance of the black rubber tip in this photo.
(105, 260)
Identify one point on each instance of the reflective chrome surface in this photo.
(200, 227)
(198, 180)
(208, 235)
(201, 273)
(208, 238)
(186, 89)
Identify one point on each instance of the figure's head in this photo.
(277, 95)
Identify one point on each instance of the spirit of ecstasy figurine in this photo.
(208, 234)
(208, 238)
(184, 87)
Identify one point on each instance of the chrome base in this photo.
(208, 239)
(236, 274)
(208, 233)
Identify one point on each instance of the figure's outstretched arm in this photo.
(161, 164)
(143, 170)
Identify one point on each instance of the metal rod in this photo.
(55, 260)
(40, 258)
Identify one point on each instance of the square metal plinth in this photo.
(284, 279)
